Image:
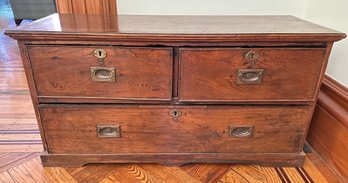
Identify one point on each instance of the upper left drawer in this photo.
(106, 72)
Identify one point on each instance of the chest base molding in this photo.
(174, 159)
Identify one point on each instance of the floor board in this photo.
(20, 143)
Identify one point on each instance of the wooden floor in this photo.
(20, 143)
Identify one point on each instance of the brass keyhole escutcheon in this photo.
(252, 56)
(100, 53)
(175, 113)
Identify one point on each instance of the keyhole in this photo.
(100, 53)
(175, 113)
(252, 55)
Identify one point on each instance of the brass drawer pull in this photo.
(108, 131)
(250, 76)
(241, 131)
(103, 74)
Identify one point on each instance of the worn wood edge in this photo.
(160, 37)
(181, 44)
(138, 37)
(165, 106)
(319, 81)
(175, 159)
(333, 97)
(174, 100)
(32, 87)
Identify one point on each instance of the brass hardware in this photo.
(250, 76)
(100, 53)
(105, 131)
(175, 113)
(252, 55)
(240, 131)
(103, 74)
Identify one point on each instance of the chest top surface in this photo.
(265, 28)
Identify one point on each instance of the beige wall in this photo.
(210, 7)
(333, 14)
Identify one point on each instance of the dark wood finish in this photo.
(150, 50)
(210, 74)
(312, 104)
(87, 6)
(159, 29)
(141, 73)
(177, 159)
(179, 44)
(29, 76)
(17, 119)
(151, 129)
(328, 133)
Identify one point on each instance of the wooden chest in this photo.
(173, 89)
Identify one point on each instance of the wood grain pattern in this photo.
(309, 168)
(322, 166)
(160, 29)
(206, 172)
(174, 159)
(31, 83)
(37, 172)
(205, 126)
(210, 74)
(151, 129)
(334, 98)
(87, 6)
(6, 177)
(328, 132)
(23, 118)
(20, 174)
(141, 73)
(12, 159)
(13, 78)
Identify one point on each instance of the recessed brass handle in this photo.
(241, 131)
(250, 76)
(104, 131)
(103, 74)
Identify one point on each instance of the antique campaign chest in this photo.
(173, 89)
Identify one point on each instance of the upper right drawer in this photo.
(249, 74)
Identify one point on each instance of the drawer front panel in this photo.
(124, 73)
(179, 129)
(255, 74)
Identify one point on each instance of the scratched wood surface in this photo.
(20, 143)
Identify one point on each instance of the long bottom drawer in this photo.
(110, 129)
